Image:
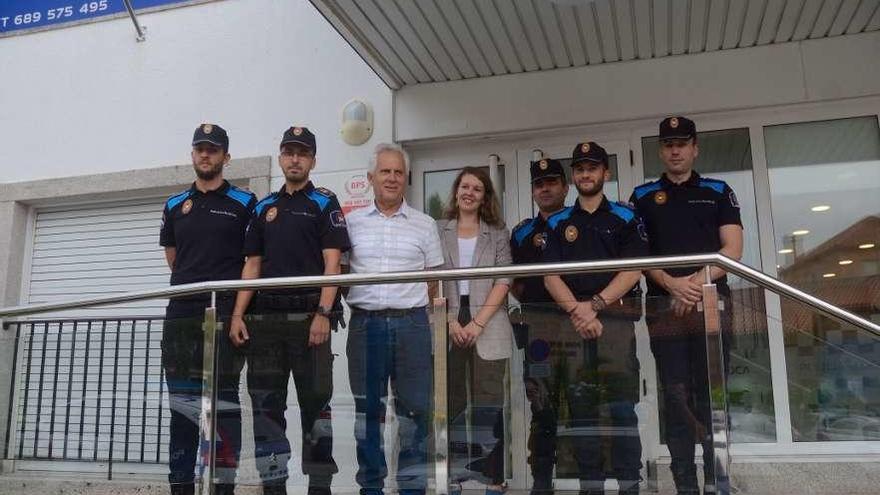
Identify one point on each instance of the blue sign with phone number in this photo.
(17, 15)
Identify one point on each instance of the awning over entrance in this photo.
(409, 42)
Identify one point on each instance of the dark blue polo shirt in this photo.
(612, 231)
(527, 241)
(685, 219)
(207, 230)
(290, 231)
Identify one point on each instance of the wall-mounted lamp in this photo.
(357, 123)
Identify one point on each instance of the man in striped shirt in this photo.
(389, 335)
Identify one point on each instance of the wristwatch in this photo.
(598, 303)
(325, 312)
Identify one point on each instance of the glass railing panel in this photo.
(749, 370)
(689, 366)
(833, 371)
(480, 349)
(589, 419)
(346, 411)
(832, 400)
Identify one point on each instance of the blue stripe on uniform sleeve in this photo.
(554, 220)
(242, 197)
(521, 233)
(717, 185)
(644, 189)
(623, 212)
(268, 200)
(176, 200)
(319, 198)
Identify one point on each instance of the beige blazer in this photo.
(493, 249)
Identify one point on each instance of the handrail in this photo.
(648, 263)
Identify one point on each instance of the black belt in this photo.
(276, 302)
(389, 313)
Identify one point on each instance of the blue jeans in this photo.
(393, 346)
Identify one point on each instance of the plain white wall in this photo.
(90, 99)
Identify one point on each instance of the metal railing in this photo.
(649, 263)
(63, 359)
(711, 306)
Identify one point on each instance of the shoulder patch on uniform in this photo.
(623, 211)
(177, 199)
(714, 184)
(564, 214)
(644, 189)
(243, 197)
(523, 229)
(268, 200)
(322, 198)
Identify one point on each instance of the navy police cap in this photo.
(589, 152)
(211, 133)
(299, 135)
(677, 127)
(544, 168)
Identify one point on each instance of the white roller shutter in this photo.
(91, 387)
(99, 249)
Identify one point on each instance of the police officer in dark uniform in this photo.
(541, 318)
(601, 309)
(298, 231)
(685, 214)
(203, 232)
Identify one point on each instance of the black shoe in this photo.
(183, 489)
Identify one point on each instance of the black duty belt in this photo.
(389, 313)
(276, 302)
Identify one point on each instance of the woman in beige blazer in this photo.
(473, 234)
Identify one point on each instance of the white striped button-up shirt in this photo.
(407, 240)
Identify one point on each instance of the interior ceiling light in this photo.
(800, 232)
(786, 251)
(845, 262)
(866, 246)
(819, 208)
(829, 275)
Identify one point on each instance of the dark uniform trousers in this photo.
(582, 395)
(679, 348)
(279, 347)
(182, 358)
(480, 383)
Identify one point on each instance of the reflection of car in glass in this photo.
(482, 437)
(191, 407)
(848, 427)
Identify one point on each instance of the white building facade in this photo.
(786, 96)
